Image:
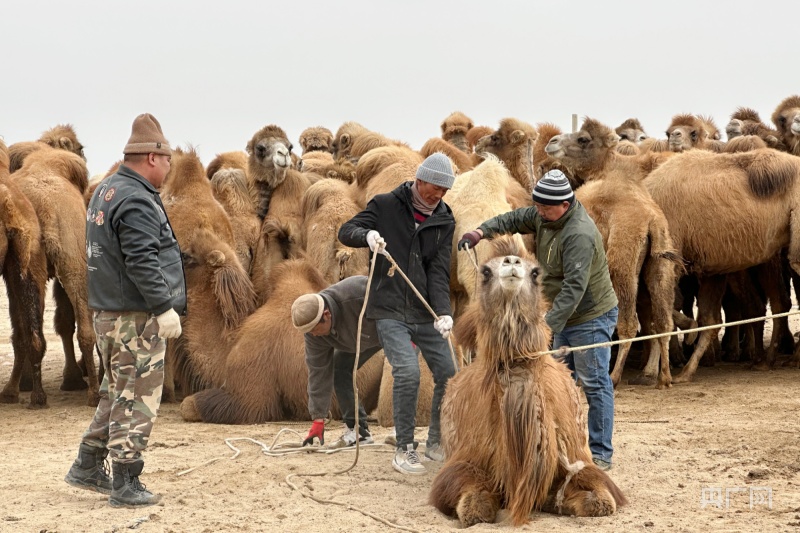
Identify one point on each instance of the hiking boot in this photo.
(90, 470)
(434, 452)
(127, 490)
(349, 439)
(407, 461)
(391, 438)
(605, 466)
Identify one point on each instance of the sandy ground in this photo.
(679, 453)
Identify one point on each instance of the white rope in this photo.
(566, 349)
(572, 469)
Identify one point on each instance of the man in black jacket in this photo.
(418, 231)
(137, 291)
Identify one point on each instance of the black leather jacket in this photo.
(423, 254)
(134, 260)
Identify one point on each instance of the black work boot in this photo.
(90, 471)
(126, 490)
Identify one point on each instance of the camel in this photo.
(462, 162)
(62, 136)
(24, 270)
(265, 373)
(744, 203)
(454, 130)
(786, 118)
(381, 158)
(227, 160)
(686, 132)
(315, 161)
(275, 188)
(631, 130)
(475, 134)
(316, 139)
(353, 140)
(326, 206)
(54, 181)
(512, 422)
(745, 121)
(635, 234)
(229, 187)
(512, 143)
(277, 242)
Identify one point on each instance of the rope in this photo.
(566, 349)
(571, 468)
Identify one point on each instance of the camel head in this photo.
(585, 149)
(631, 130)
(270, 151)
(787, 119)
(63, 137)
(316, 139)
(343, 141)
(455, 128)
(510, 141)
(734, 128)
(686, 132)
(475, 134)
(739, 118)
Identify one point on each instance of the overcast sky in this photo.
(214, 73)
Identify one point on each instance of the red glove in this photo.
(317, 430)
(470, 239)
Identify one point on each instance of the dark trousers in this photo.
(343, 386)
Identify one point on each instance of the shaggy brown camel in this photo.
(635, 234)
(631, 130)
(454, 130)
(745, 121)
(475, 134)
(62, 136)
(512, 143)
(686, 132)
(229, 187)
(265, 374)
(315, 161)
(512, 422)
(353, 140)
(786, 118)
(326, 206)
(275, 187)
(381, 158)
(462, 162)
(54, 181)
(316, 139)
(744, 203)
(278, 242)
(24, 270)
(227, 160)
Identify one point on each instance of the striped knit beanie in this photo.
(552, 189)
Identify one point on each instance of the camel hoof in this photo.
(791, 363)
(761, 367)
(615, 379)
(93, 398)
(683, 378)
(189, 410)
(643, 379)
(598, 505)
(476, 508)
(665, 384)
(38, 401)
(168, 395)
(9, 398)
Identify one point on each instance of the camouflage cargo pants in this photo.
(133, 358)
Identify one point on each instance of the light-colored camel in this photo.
(635, 235)
(631, 130)
(227, 160)
(381, 158)
(62, 136)
(454, 130)
(275, 187)
(512, 143)
(353, 140)
(462, 162)
(315, 161)
(54, 181)
(726, 213)
(687, 132)
(786, 118)
(326, 206)
(24, 270)
(512, 422)
(265, 372)
(316, 139)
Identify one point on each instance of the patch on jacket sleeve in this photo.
(110, 194)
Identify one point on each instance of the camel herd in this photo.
(687, 220)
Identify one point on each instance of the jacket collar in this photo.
(132, 174)
(403, 192)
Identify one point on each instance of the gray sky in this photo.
(214, 73)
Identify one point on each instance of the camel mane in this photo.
(690, 121)
(631, 123)
(746, 114)
(316, 138)
(456, 123)
(186, 171)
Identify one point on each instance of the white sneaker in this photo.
(349, 439)
(434, 452)
(407, 461)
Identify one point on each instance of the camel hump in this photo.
(769, 173)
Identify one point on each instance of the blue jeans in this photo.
(343, 385)
(396, 338)
(590, 367)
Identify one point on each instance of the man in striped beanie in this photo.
(575, 278)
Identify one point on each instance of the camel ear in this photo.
(331, 174)
(517, 136)
(344, 142)
(65, 143)
(612, 139)
(352, 176)
(215, 258)
(249, 147)
(443, 126)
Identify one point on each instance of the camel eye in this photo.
(782, 120)
(535, 275)
(623, 137)
(583, 140)
(487, 273)
(290, 147)
(694, 135)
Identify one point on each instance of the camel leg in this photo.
(624, 271)
(26, 309)
(649, 374)
(75, 288)
(589, 493)
(709, 301)
(684, 322)
(64, 324)
(464, 490)
(170, 365)
(772, 280)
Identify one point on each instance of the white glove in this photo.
(169, 324)
(443, 325)
(376, 242)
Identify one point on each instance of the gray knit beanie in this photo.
(436, 169)
(552, 189)
(147, 137)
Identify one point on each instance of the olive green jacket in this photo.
(570, 252)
